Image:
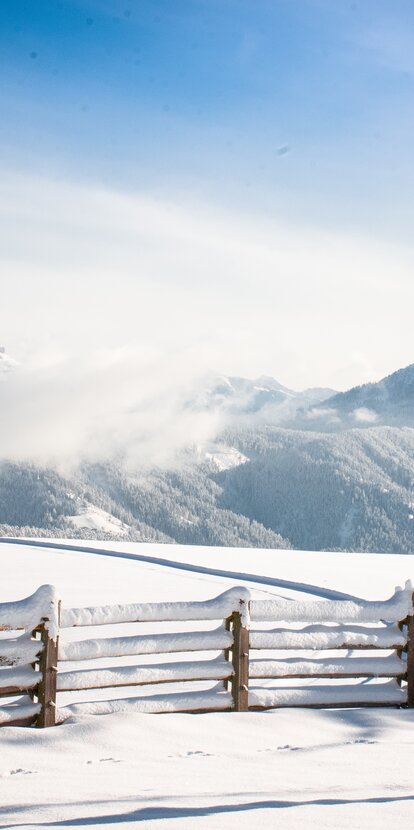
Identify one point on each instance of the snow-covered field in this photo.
(299, 768)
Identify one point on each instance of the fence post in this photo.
(410, 659)
(47, 687)
(226, 652)
(240, 650)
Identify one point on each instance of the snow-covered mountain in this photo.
(390, 401)
(338, 477)
(262, 399)
(270, 487)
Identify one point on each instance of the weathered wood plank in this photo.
(240, 652)
(30, 721)
(227, 652)
(47, 685)
(410, 660)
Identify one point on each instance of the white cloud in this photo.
(365, 415)
(323, 414)
(112, 405)
(86, 268)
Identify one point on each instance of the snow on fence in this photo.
(40, 662)
(29, 631)
(385, 630)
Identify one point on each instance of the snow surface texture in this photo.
(146, 644)
(28, 613)
(374, 694)
(397, 608)
(221, 457)
(378, 693)
(191, 559)
(23, 708)
(218, 608)
(393, 610)
(184, 702)
(218, 669)
(290, 767)
(93, 518)
(23, 677)
(324, 636)
(17, 651)
(352, 666)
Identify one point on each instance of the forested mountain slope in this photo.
(352, 490)
(103, 501)
(390, 402)
(308, 470)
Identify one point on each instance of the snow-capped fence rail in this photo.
(40, 662)
(230, 610)
(384, 629)
(28, 659)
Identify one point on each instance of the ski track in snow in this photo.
(303, 587)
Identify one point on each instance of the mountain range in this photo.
(388, 402)
(264, 397)
(311, 470)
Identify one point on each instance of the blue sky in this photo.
(296, 113)
(299, 101)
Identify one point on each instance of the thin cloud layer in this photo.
(110, 406)
(86, 268)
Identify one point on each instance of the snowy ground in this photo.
(93, 518)
(301, 769)
(297, 767)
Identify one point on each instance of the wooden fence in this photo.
(259, 647)
(28, 660)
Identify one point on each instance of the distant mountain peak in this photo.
(268, 382)
(387, 401)
(263, 398)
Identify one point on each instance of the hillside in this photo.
(390, 401)
(104, 502)
(273, 487)
(351, 490)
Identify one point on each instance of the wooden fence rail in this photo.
(339, 641)
(28, 659)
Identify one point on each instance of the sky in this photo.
(223, 184)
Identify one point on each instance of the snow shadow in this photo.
(157, 812)
(371, 724)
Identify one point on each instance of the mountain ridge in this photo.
(275, 476)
